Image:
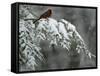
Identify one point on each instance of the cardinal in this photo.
(45, 15)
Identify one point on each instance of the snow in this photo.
(62, 30)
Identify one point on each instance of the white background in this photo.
(5, 38)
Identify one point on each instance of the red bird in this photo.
(47, 14)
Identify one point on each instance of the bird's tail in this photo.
(36, 20)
